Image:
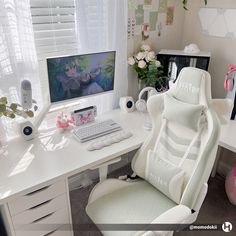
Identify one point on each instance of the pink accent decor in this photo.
(228, 81)
(63, 121)
(86, 118)
(230, 185)
(231, 67)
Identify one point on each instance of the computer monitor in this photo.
(80, 75)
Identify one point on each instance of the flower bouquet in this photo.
(149, 69)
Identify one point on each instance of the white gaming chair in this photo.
(173, 164)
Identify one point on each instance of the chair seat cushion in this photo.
(140, 203)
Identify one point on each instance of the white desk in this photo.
(228, 136)
(52, 157)
(227, 141)
(26, 166)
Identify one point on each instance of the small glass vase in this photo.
(141, 84)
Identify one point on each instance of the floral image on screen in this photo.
(82, 75)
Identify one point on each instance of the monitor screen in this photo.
(80, 75)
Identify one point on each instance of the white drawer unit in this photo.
(36, 197)
(59, 232)
(38, 211)
(42, 212)
(49, 224)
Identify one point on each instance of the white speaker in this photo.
(27, 130)
(127, 104)
(26, 94)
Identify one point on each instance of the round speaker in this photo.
(129, 104)
(27, 130)
(126, 104)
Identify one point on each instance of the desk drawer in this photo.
(37, 197)
(59, 232)
(46, 226)
(45, 208)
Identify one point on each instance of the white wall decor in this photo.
(218, 22)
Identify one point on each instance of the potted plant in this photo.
(13, 109)
(149, 69)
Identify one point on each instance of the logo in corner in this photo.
(227, 227)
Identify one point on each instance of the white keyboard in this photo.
(95, 130)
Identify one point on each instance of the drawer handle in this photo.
(39, 205)
(43, 217)
(51, 232)
(38, 190)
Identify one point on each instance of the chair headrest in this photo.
(192, 86)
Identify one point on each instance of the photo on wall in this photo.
(80, 75)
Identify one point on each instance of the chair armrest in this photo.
(176, 215)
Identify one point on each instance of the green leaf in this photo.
(3, 100)
(9, 114)
(185, 2)
(35, 108)
(13, 106)
(29, 113)
(2, 107)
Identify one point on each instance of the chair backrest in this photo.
(179, 108)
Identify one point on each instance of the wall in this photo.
(222, 49)
(223, 52)
(171, 35)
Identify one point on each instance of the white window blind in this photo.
(54, 24)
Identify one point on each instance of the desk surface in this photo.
(228, 136)
(54, 155)
(25, 165)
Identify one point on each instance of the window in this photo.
(54, 26)
(18, 59)
(93, 24)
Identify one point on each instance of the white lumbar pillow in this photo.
(165, 176)
(182, 113)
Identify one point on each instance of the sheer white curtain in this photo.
(101, 26)
(18, 60)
